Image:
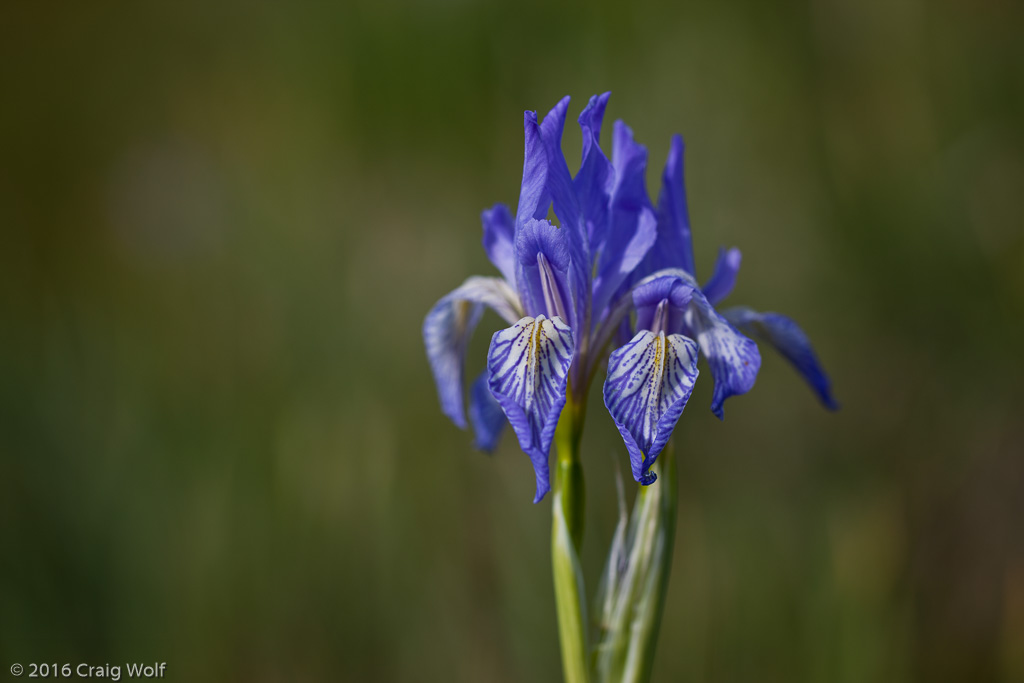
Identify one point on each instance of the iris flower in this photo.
(568, 291)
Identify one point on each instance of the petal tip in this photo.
(543, 486)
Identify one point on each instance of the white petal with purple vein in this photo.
(528, 366)
(649, 381)
(448, 327)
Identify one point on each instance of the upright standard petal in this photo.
(674, 248)
(546, 176)
(790, 341)
(593, 183)
(734, 359)
(723, 279)
(448, 327)
(499, 236)
(528, 369)
(546, 181)
(649, 381)
(633, 227)
(485, 414)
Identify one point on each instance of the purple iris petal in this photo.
(546, 181)
(593, 182)
(485, 414)
(542, 263)
(624, 332)
(790, 341)
(674, 248)
(723, 279)
(649, 294)
(448, 327)
(633, 227)
(534, 195)
(580, 282)
(649, 381)
(499, 234)
(528, 370)
(546, 176)
(734, 359)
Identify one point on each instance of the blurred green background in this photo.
(220, 445)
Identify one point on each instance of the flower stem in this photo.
(643, 637)
(633, 605)
(569, 469)
(566, 539)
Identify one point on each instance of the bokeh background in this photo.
(222, 224)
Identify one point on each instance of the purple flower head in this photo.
(568, 290)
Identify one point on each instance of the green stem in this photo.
(569, 469)
(634, 605)
(643, 637)
(566, 538)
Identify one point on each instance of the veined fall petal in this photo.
(448, 327)
(485, 414)
(649, 381)
(734, 359)
(789, 340)
(528, 369)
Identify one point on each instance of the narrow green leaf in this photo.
(625, 650)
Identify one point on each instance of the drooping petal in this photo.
(649, 381)
(734, 359)
(723, 279)
(528, 369)
(593, 182)
(485, 414)
(448, 327)
(542, 270)
(633, 227)
(790, 341)
(499, 233)
(674, 248)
